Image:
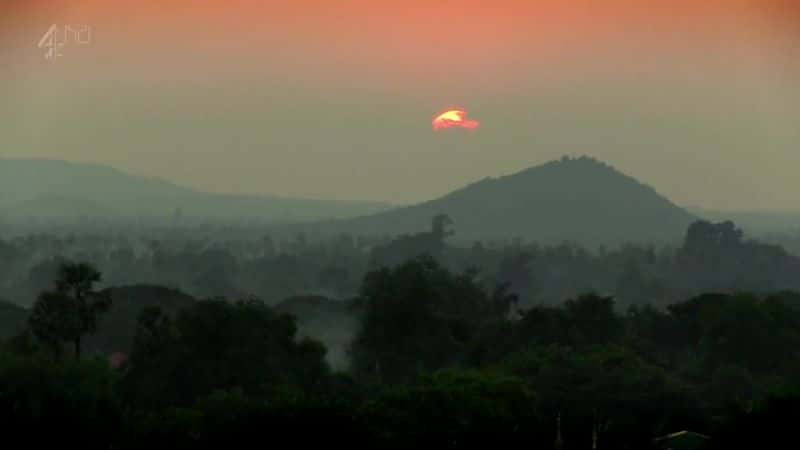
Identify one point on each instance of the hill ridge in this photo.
(576, 199)
(36, 188)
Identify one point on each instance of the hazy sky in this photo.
(333, 99)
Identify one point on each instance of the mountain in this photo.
(40, 189)
(575, 199)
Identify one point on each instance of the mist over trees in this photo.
(199, 336)
(438, 357)
(710, 257)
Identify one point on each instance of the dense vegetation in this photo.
(223, 263)
(438, 356)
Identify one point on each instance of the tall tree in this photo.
(218, 345)
(70, 311)
(419, 317)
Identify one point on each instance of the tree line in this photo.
(439, 357)
(711, 257)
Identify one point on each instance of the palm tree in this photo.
(70, 311)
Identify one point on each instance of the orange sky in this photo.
(211, 93)
(408, 40)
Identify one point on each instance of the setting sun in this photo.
(454, 118)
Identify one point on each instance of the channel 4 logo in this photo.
(57, 37)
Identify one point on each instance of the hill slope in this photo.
(59, 190)
(581, 200)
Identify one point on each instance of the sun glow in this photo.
(454, 118)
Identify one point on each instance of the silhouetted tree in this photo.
(70, 311)
(217, 344)
(419, 317)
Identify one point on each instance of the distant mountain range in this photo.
(51, 190)
(575, 199)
